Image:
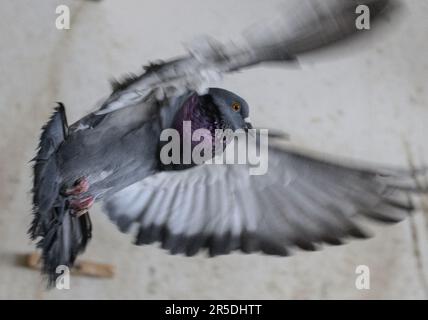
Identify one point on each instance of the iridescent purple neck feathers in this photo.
(201, 113)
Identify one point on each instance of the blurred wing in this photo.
(313, 25)
(299, 202)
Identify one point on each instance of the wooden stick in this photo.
(81, 268)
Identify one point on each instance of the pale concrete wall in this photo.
(365, 105)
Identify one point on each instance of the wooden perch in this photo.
(80, 268)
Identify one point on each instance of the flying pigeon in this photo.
(113, 155)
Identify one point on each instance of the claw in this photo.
(80, 186)
(80, 205)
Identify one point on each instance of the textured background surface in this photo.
(371, 103)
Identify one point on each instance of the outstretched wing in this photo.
(311, 26)
(301, 201)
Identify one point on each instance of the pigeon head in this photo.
(231, 108)
(217, 112)
(217, 109)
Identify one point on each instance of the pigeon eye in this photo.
(236, 106)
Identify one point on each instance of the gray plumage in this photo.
(301, 201)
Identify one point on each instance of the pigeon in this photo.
(112, 155)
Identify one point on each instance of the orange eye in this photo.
(236, 106)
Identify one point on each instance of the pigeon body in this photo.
(113, 155)
(108, 152)
(122, 148)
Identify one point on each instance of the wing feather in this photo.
(302, 201)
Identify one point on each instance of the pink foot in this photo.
(81, 206)
(80, 186)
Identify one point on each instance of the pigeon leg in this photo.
(80, 186)
(81, 206)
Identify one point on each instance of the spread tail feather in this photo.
(65, 238)
(60, 234)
